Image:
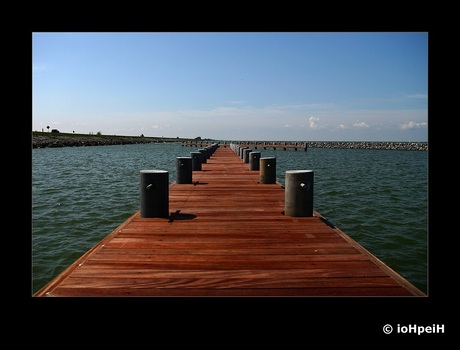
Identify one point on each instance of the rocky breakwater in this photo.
(405, 146)
(385, 145)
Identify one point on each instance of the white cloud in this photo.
(360, 125)
(413, 125)
(313, 122)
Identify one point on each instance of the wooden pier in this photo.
(227, 235)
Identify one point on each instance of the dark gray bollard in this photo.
(246, 155)
(254, 160)
(196, 160)
(267, 170)
(241, 152)
(299, 193)
(154, 194)
(208, 151)
(183, 170)
(204, 155)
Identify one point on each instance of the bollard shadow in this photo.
(177, 215)
(184, 216)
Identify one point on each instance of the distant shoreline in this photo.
(54, 140)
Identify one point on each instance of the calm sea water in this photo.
(377, 197)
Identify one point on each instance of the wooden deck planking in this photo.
(227, 236)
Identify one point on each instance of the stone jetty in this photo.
(405, 146)
(384, 145)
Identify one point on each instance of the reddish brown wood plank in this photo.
(353, 269)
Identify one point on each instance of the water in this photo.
(377, 197)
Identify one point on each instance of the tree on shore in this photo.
(48, 127)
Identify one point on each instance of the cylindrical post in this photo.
(246, 152)
(183, 170)
(299, 193)
(204, 155)
(240, 151)
(207, 152)
(196, 160)
(154, 194)
(254, 160)
(267, 171)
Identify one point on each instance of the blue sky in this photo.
(292, 86)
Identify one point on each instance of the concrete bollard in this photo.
(267, 170)
(246, 155)
(183, 170)
(154, 194)
(204, 155)
(208, 152)
(299, 193)
(241, 152)
(254, 160)
(196, 161)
